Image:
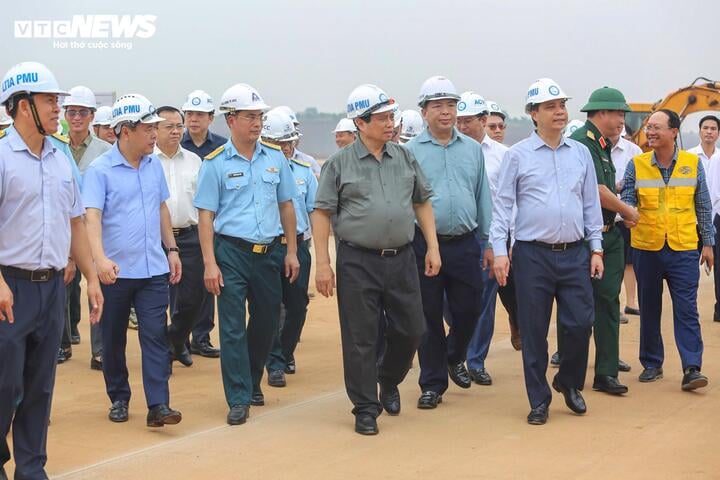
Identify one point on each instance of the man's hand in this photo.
(107, 270)
(631, 215)
(432, 262)
(292, 267)
(707, 257)
(596, 266)
(213, 279)
(324, 280)
(501, 269)
(70, 271)
(95, 297)
(487, 263)
(175, 267)
(6, 303)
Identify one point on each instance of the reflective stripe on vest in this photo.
(667, 211)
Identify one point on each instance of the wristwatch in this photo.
(597, 251)
(174, 249)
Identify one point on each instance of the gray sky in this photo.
(313, 53)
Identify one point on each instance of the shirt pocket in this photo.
(301, 189)
(236, 183)
(648, 199)
(189, 182)
(270, 182)
(64, 193)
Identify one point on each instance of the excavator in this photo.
(702, 94)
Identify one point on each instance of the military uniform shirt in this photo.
(304, 200)
(373, 200)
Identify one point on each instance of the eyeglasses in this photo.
(78, 113)
(655, 128)
(495, 126)
(251, 118)
(170, 128)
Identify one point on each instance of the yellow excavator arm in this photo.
(696, 97)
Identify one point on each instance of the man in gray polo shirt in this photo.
(377, 190)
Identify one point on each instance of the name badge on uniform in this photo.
(236, 174)
(273, 169)
(300, 181)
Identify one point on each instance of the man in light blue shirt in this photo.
(124, 193)
(245, 191)
(454, 165)
(552, 181)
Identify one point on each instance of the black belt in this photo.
(283, 239)
(42, 275)
(454, 238)
(557, 247)
(383, 252)
(182, 231)
(259, 248)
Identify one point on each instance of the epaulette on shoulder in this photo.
(215, 152)
(590, 135)
(270, 145)
(301, 162)
(62, 138)
(3, 133)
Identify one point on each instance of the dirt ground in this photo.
(306, 429)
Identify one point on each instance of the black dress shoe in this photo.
(366, 425)
(96, 363)
(204, 349)
(608, 384)
(161, 415)
(624, 367)
(624, 319)
(538, 415)
(429, 400)
(64, 354)
(238, 414)
(651, 374)
(257, 399)
(276, 378)
(480, 376)
(118, 411)
(632, 311)
(555, 359)
(390, 400)
(290, 367)
(459, 375)
(181, 354)
(693, 379)
(3, 475)
(716, 317)
(573, 398)
(75, 339)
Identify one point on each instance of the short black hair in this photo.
(673, 118)
(170, 108)
(711, 118)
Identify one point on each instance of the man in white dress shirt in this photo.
(181, 168)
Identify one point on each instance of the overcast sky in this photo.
(313, 53)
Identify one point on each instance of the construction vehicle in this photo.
(696, 97)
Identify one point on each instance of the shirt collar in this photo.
(187, 138)
(361, 150)
(231, 151)
(425, 137)
(161, 154)
(17, 143)
(672, 162)
(536, 142)
(117, 158)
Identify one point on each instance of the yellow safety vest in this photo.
(667, 212)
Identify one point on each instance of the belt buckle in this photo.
(40, 275)
(261, 249)
(176, 232)
(388, 252)
(559, 247)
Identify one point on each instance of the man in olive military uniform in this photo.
(606, 112)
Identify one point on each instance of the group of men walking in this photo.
(166, 215)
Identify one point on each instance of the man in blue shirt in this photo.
(40, 224)
(199, 111)
(124, 193)
(455, 167)
(278, 129)
(552, 181)
(245, 191)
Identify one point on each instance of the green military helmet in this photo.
(606, 98)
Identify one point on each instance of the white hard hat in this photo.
(493, 107)
(368, 99)
(543, 90)
(572, 126)
(279, 126)
(133, 108)
(103, 116)
(398, 114)
(198, 101)
(412, 124)
(471, 104)
(241, 96)
(29, 77)
(345, 125)
(437, 88)
(81, 97)
(5, 119)
(290, 113)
